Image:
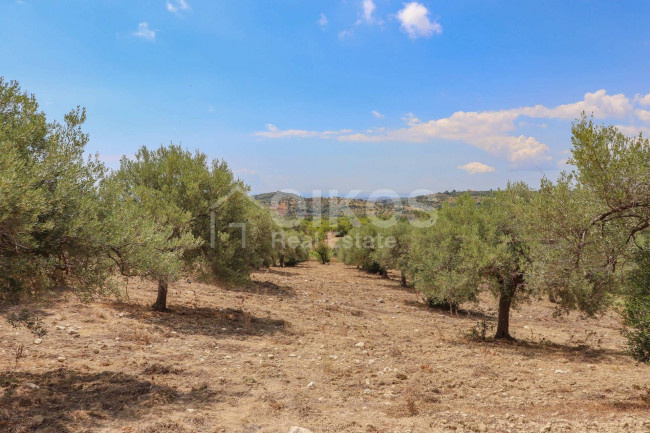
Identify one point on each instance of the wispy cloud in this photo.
(273, 131)
(145, 32)
(366, 15)
(476, 168)
(492, 131)
(368, 7)
(377, 114)
(414, 19)
(177, 6)
(322, 21)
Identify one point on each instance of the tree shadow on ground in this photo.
(264, 288)
(458, 313)
(547, 349)
(579, 352)
(70, 401)
(205, 320)
(277, 271)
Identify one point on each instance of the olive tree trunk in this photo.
(503, 322)
(161, 300)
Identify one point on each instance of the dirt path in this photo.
(324, 347)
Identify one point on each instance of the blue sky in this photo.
(354, 94)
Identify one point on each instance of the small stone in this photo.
(190, 410)
(360, 344)
(271, 356)
(60, 328)
(95, 351)
(367, 391)
(30, 385)
(38, 341)
(296, 429)
(482, 428)
(61, 358)
(311, 385)
(380, 300)
(401, 376)
(38, 419)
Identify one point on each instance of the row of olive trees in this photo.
(69, 222)
(581, 241)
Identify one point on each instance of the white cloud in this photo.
(599, 103)
(377, 114)
(273, 131)
(176, 6)
(322, 21)
(368, 9)
(492, 131)
(631, 130)
(486, 130)
(476, 168)
(145, 32)
(644, 100)
(414, 19)
(644, 115)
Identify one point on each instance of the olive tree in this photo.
(590, 224)
(473, 248)
(395, 251)
(193, 195)
(48, 200)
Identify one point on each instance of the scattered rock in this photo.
(296, 429)
(30, 385)
(360, 344)
(311, 385)
(38, 419)
(61, 358)
(401, 376)
(60, 328)
(38, 341)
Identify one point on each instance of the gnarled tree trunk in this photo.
(505, 301)
(402, 280)
(161, 300)
(503, 323)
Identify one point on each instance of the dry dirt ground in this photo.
(323, 347)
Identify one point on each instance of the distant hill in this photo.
(291, 204)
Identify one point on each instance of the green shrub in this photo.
(637, 309)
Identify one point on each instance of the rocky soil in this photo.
(320, 348)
